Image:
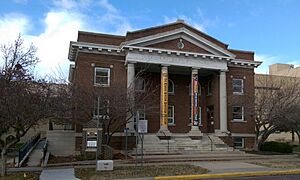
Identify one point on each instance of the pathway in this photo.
(58, 174)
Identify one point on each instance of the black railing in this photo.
(27, 146)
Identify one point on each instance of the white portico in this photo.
(216, 60)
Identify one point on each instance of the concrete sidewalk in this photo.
(58, 174)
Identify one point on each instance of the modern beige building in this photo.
(284, 70)
(281, 74)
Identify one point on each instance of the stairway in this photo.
(35, 157)
(181, 144)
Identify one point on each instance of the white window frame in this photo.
(95, 76)
(242, 145)
(173, 115)
(144, 86)
(239, 120)
(173, 87)
(242, 86)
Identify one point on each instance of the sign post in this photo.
(142, 129)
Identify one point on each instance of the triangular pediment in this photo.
(173, 40)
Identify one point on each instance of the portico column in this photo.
(223, 102)
(163, 131)
(195, 132)
(130, 93)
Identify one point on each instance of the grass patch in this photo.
(136, 172)
(20, 176)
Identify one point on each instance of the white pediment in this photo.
(181, 33)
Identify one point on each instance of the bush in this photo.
(277, 147)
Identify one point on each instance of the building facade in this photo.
(204, 87)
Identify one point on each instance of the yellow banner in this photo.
(164, 98)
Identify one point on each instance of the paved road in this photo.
(281, 177)
(58, 174)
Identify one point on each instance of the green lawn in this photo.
(133, 172)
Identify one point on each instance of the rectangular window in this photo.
(238, 86)
(101, 108)
(171, 115)
(238, 142)
(102, 76)
(238, 113)
(209, 88)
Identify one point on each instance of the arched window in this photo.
(171, 87)
(140, 84)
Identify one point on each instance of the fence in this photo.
(27, 146)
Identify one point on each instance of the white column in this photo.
(130, 93)
(223, 102)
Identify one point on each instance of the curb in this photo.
(225, 175)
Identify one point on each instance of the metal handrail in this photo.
(211, 141)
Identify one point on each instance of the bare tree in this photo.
(276, 106)
(23, 101)
(114, 106)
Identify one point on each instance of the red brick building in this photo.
(220, 102)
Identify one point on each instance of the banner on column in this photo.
(195, 99)
(164, 97)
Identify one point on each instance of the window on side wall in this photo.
(238, 142)
(238, 113)
(102, 76)
(209, 88)
(171, 120)
(238, 86)
(140, 84)
(171, 87)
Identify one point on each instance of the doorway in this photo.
(210, 119)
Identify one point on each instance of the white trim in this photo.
(242, 86)
(174, 60)
(181, 31)
(243, 62)
(173, 117)
(173, 87)
(99, 84)
(238, 120)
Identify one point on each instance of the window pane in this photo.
(102, 72)
(103, 80)
(140, 84)
(170, 86)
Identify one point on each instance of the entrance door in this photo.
(210, 119)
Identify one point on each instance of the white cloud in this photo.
(266, 61)
(109, 7)
(11, 25)
(61, 24)
(53, 43)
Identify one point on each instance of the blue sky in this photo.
(268, 27)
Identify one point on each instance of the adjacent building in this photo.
(205, 88)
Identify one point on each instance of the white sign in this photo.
(143, 126)
(91, 143)
(105, 165)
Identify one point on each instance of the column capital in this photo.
(224, 70)
(165, 65)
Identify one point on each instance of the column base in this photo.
(195, 133)
(221, 133)
(164, 133)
